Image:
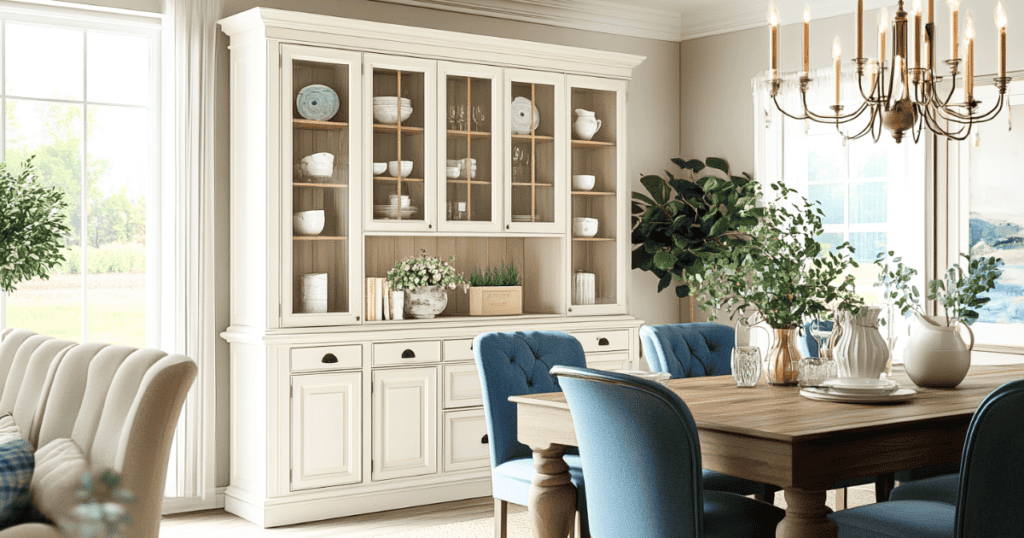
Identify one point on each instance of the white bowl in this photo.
(388, 114)
(317, 166)
(583, 182)
(379, 168)
(308, 222)
(584, 227)
(453, 172)
(406, 168)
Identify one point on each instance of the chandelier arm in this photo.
(957, 117)
(919, 124)
(830, 119)
(943, 103)
(868, 97)
(960, 134)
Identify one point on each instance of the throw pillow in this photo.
(59, 469)
(16, 464)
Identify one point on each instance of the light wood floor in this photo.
(220, 524)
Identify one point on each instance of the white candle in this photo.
(954, 20)
(837, 53)
(773, 23)
(860, 28)
(969, 45)
(807, 39)
(1001, 22)
(917, 34)
(883, 27)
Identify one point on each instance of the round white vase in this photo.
(861, 351)
(936, 355)
(425, 302)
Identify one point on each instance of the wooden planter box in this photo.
(495, 300)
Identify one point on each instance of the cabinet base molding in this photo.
(303, 508)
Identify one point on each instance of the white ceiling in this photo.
(671, 20)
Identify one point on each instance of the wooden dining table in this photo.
(774, 435)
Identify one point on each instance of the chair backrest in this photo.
(689, 349)
(808, 345)
(513, 364)
(29, 360)
(640, 454)
(989, 503)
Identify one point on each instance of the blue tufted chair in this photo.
(988, 501)
(513, 364)
(641, 454)
(697, 350)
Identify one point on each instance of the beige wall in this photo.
(653, 134)
(152, 6)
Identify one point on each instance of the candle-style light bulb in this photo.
(837, 56)
(1001, 22)
(860, 28)
(773, 23)
(954, 21)
(883, 27)
(916, 10)
(969, 45)
(807, 39)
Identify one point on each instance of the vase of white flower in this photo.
(425, 280)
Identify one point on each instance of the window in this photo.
(81, 93)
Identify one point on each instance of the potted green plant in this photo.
(935, 354)
(424, 279)
(758, 260)
(32, 227)
(495, 292)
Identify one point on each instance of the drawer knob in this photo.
(329, 359)
(408, 354)
(484, 440)
(602, 341)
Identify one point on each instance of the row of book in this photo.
(379, 303)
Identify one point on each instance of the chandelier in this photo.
(899, 97)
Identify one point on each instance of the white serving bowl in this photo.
(583, 182)
(317, 165)
(308, 222)
(406, 168)
(584, 227)
(379, 168)
(453, 172)
(388, 114)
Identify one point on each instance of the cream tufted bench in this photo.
(92, 406)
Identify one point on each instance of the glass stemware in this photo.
(746, 365)
(478, 118)
(451, 117)
(463, 125)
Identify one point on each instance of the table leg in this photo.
(806, 516)
(552, 496)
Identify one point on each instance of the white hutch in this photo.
(331, 414)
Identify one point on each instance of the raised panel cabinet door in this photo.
(321, 111)
(325, 428)
(465, 441)
(404, 423)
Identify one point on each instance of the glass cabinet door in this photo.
(598, 201)
(534, 169)
(400, 161)
(321, 96)
(469, 164)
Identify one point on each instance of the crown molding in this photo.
(589, 15)
(738, 16)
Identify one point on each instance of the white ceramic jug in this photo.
(861, 351)
(936, 355)
(586, 125)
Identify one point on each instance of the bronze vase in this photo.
(783, 358)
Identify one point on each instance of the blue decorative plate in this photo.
(317, 102)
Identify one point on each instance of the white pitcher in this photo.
(936, 355)
(586, 125)
(861, 351)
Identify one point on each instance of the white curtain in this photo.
(195, 55)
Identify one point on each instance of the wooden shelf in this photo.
(467, 182)
(390, 178)
(593, 239)
(592, 144)
(388, 128)
(532, 185)
(319, 238)
(540, 138)
(470, 134)
(314, 125)
(592, 193)
(320, 185)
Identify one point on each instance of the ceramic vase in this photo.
(583, 289)
(314, 293)
(861, 351)
(425, 302)
(936, 355)
(397, 304)
(586, 125)
(783, 358)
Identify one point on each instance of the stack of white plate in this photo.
(859, 390)
(386, 109)
(522, 218)
(461, 165)
(391, 211)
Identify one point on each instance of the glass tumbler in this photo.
(746, 365)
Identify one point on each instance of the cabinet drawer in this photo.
(608, 361)
(465, 441)
(612, 340)
(458, 350)
(392, 353)
(309, 359)
(461, 386)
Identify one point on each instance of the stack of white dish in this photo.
(314, 293)
(859, 390)
(460, 165)
(386, 109)
(522, 218)
(394, 167)
(317, 166)
(391, 211)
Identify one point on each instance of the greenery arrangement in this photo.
(503, 275)
(423, 270)
(958, 291)
(101, 508)
(756, 260)
(33, 226)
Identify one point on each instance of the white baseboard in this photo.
(178, 505)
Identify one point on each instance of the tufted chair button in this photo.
(512, 359)
(529, 383)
